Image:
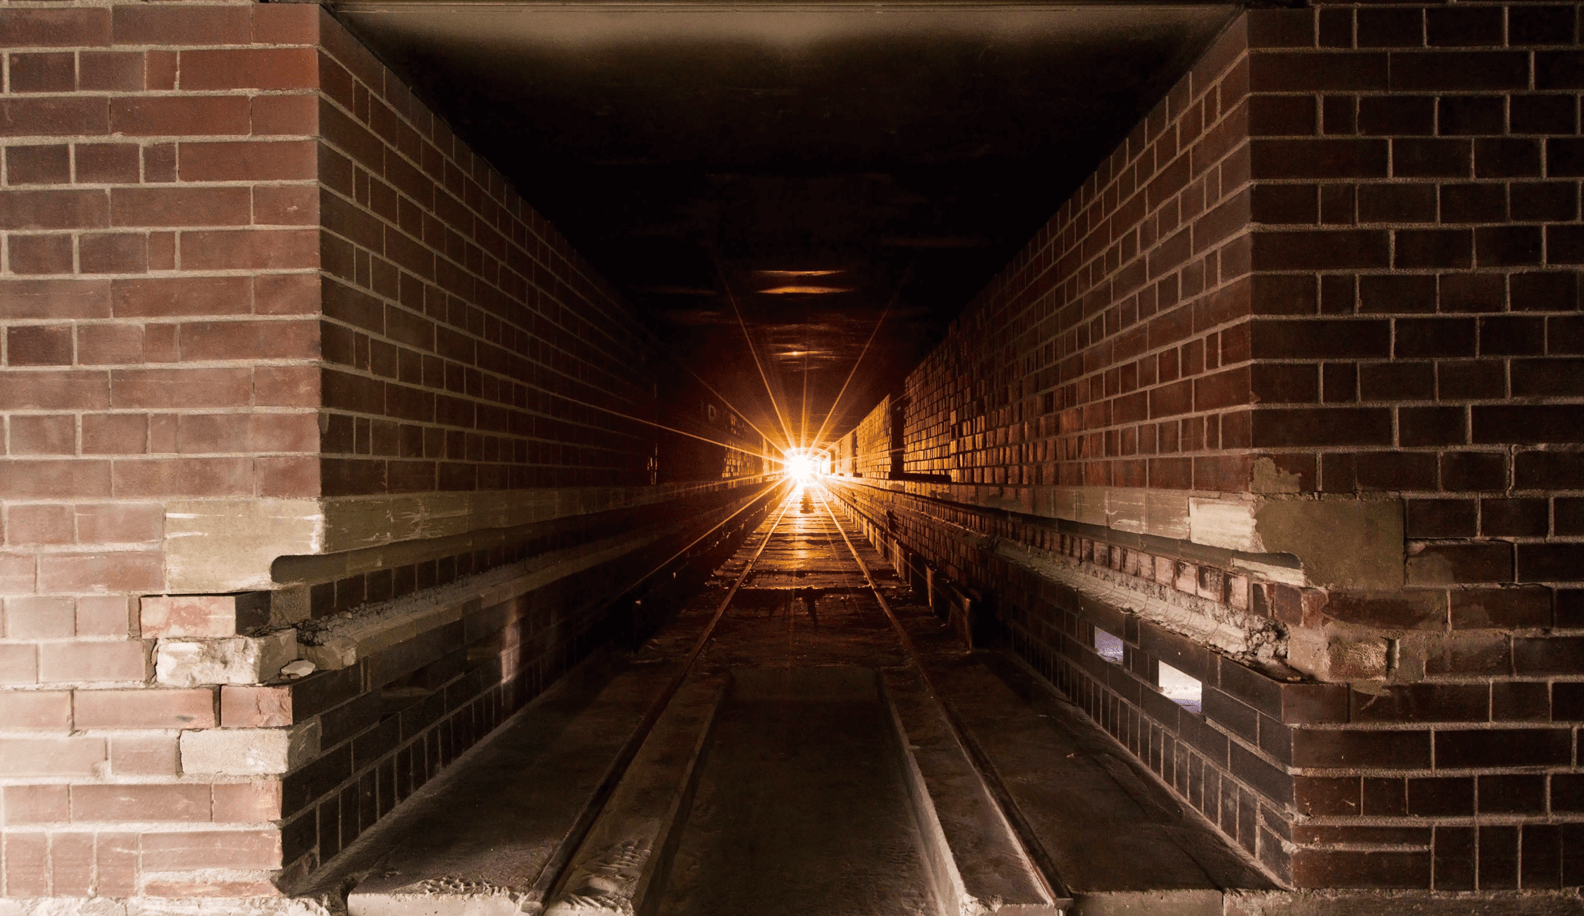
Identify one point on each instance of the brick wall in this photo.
(249, 283)
(1377, 304)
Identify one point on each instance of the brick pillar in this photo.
(159, 299)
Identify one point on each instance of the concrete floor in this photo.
(802, 765)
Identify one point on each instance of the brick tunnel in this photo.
(683, 458)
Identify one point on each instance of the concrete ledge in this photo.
(229, 545)
(227, 660)
(1354, 543)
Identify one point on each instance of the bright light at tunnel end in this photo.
(801, 467)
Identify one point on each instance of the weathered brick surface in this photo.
(1378, 300)
(239, 260)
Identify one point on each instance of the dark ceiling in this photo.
(811, 167)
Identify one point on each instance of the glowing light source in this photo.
(801, 466)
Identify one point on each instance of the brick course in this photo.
(1338, 259)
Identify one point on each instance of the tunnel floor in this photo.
(802, 737)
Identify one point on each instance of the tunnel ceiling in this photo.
(811, 167)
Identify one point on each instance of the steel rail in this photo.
(555, 869)
(1022, 830)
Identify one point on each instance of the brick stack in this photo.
(1341, 258)
(243, 267)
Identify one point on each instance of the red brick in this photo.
(65, 116)
(180, 116)
(39, 345)
(115, 434)
(113, 253)
(286, 115)
(40, 617)
(286, 294)
(46, 479)
(103, 615)
(110, 71)
(133, 802)
(167, 388)
(247, 802)
(176, 296)
(72, 864)
(53, 209)
(108, 163)
(286, 25)
(183, 477)
(49, 72)
(121, 571)
(27, 863)
(181, 206)
(286, 205)
(250, 68)
(18, 663)
(1459, 70)
(182, 25)
(145, 708)
(249, 160)
(24, 709)
(119, 523)
(51, 756)
(36, 28)
(135, 754)
(47, 804)
(189, 851)
(258, 249)
(49, 164)
(286, 386)
(36, 524)
(39, 254)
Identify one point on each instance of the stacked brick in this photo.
(241, 263)
(1390, 314)
(466, 345)
(1101, 354)
(159, 297)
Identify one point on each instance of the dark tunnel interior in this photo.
(798, 200)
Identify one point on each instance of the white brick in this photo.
(248, 751)
(234, 660)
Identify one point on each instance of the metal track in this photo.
(1044, 865)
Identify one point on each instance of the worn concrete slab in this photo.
(802, 806)
(987, 870)
(622, 866)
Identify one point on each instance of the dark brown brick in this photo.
(1441, 796)
(1434, 248)
(1442, 518)
(1454, 851)
(1515, 517)
(1438, 338)
(1439, 563)
(1423, 158)
(1506, 158)
(1467, 380)
(1511, 794)
(1471, 115)
(1535, 470)
(1421, 426)
(1279, 427)
(1542, 114)
(1320, 339)
(1397, 381)
(1473, 203)
(1550, 562)
(1503, 747)
(1403, 609)
(1525, 423)
(1396, 115)
(1545, 291)
(1396, 294)
(1361, 868)
(1508, 335)
(1473, 292)
(1544, 201)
